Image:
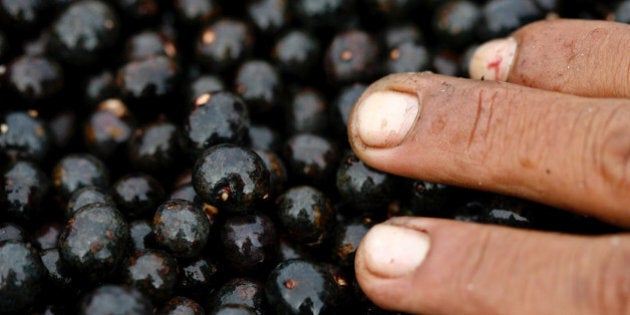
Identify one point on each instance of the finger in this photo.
(563, 150)
(433, 266)
(588, 58)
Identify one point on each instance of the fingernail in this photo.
(392, 251)
(493, 60)
(385, 118)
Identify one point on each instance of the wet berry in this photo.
(311, 159)
(180, 305)
(258, 83)
(86, 196)
(223, 44)
(362, 187)
(21, 275)
(137, 195)
(108, 129)
(307, 112)
(245, 292)
(47, 236)
(299, 286)
(199, 276)
(23, 191)
(218, 117)
(12, 232)
(249, 242)
(115, 299)
(141, 235)
(231, 178)
(23, 135)
(152, 272)
(35, 79)
(78, 170)
(84, 31)
(196, 12)
(306, 214)
(297, 53)
(352, 56)
(181, 228)
(94, 242)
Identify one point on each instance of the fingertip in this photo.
(493, 60)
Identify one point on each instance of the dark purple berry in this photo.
(232, 178)
(181, 227)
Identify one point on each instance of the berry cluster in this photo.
(191, 157)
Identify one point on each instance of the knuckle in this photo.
(613, 155)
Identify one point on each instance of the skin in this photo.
(557, 132)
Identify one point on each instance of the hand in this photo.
(557, 133)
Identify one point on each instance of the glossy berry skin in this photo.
(202, 85)
(241, 291)
(141, 235)
(310, 159)
(59, 280)
(22, 16)
(397, 34)
(86, 196)
(149, 43)
(269, 16)
(301, 287)
(137, 195)
(306, 214)
(277, 171)
(362, 187)
(152, 272)
(323, 13)
(218, 117)
(108, 129)
(84, 31)
(79, 170)
(21, 276)
(501, 17)
(258, 83)
(454, 22)
(94, 242)
(115, 300)
(196, 12)
(23, 135)
(12, 232)
(263, 137)
(47, 236)
(99, 87)
(181, 228)
(234, 179)
(180, 305)
(407, 57)
(249, 242)
(148, 79)
(307, 112)
(23, 191)
(197, 277)
(352, 56)
(155, 147)
(297, 53)
(35, 79)
(223, 44)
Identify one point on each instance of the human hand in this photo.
(557, 133)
